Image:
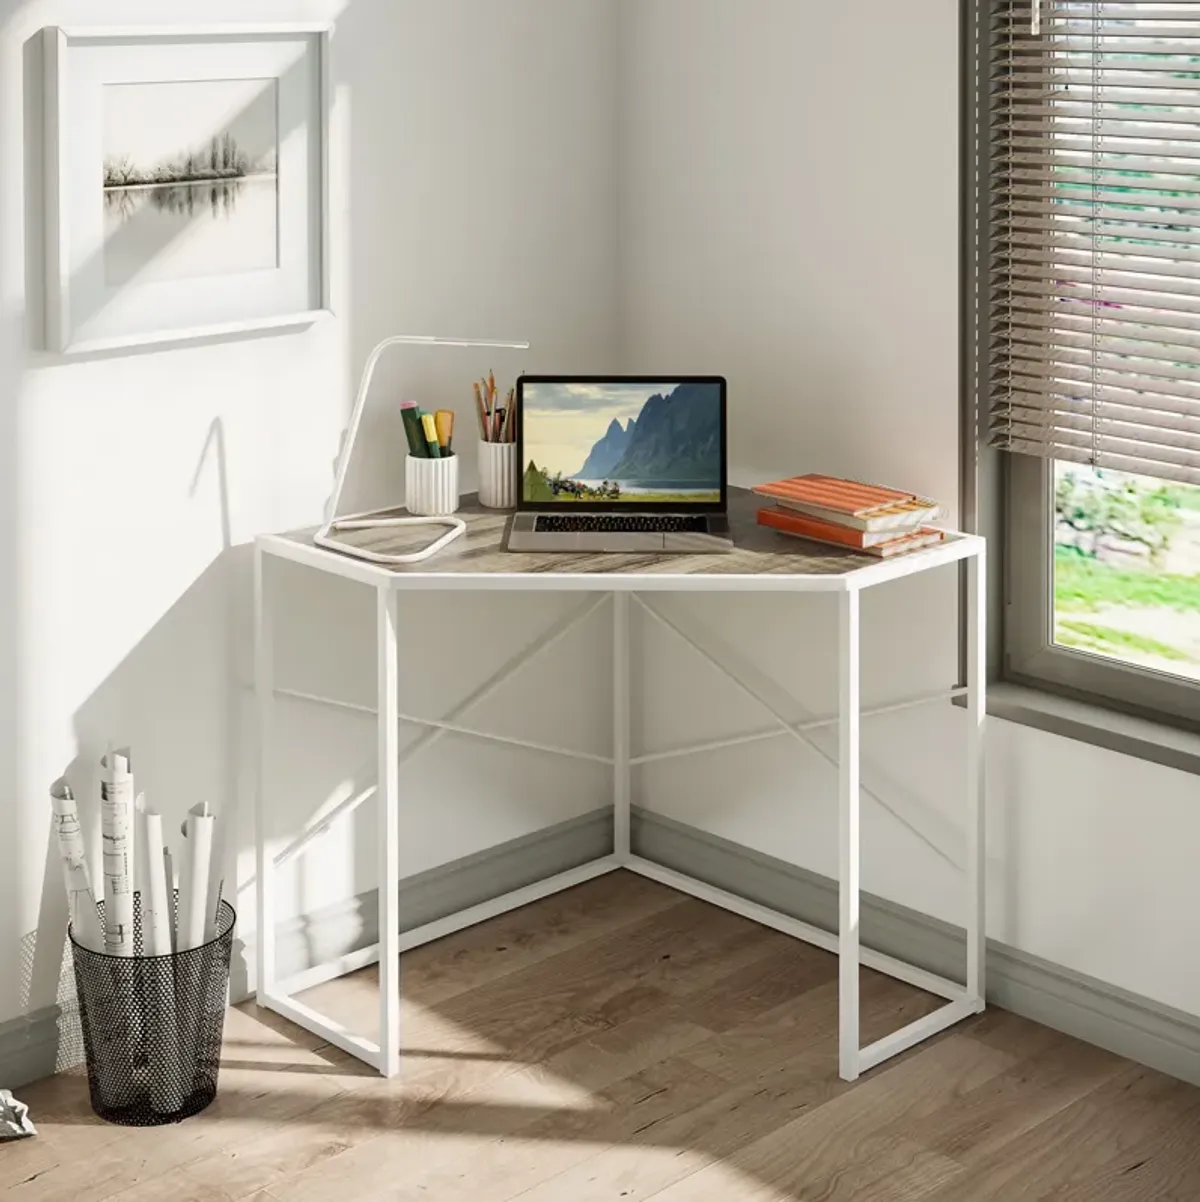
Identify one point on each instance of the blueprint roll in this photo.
(81, 901)
(116, 828)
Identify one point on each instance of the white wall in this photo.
(469, 197)
(789, 217)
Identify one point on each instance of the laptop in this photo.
(621, 463)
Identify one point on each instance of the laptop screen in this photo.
(610, 442)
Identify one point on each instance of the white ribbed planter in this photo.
(498, 474)
(431, 486)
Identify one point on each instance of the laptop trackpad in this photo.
(616, 540)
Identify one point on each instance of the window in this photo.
(1092, 271)
(1127, 568)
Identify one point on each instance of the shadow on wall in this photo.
(176, 700)
(172, 698)
(167, 700)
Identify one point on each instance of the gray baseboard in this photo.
(1143, 1030)
(1153, 1034)
(38, 1044)
(29, 1047)
(347, 926)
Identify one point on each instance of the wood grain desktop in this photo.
(619, 1042)
(758, 551)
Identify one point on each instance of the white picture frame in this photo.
(149, 249)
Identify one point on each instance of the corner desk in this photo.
(762, 561)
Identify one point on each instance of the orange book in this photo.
(881, 545)
(849, 503)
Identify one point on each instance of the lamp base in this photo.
(327, 537)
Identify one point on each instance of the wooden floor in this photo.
(623, 1042)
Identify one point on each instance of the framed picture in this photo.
(186, 182)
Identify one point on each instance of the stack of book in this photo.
(844, 513)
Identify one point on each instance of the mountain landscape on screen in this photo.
(606, 454)
(675, 437)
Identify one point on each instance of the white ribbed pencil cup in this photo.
(498, 474)
(431, 486)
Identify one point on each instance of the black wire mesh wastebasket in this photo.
(152, 1025)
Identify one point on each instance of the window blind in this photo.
(1094, 233)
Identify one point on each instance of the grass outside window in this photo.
(1127, 569)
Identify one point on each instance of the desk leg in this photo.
(849, 843)
(388, 799)
(264, 697)
(621, 790)
(976, 827)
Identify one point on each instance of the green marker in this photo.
(412, 430)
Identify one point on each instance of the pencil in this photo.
(481, 412)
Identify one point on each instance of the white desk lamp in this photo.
(327, 535)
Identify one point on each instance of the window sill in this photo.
(1093, 724)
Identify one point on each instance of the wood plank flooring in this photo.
(624, 1042)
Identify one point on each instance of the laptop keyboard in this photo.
(623, 523)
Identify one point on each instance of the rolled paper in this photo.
(198, 830)
(158, 971)
(116, 827)
(156, 902)
(193, 877)
(216, 882)
(81, 901)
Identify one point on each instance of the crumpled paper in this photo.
(14, 1118)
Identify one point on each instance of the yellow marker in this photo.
(431, 439)
(444, 420)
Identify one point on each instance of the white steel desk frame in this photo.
(963, 999)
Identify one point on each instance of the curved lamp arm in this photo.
(364, 385)
(327, 536)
